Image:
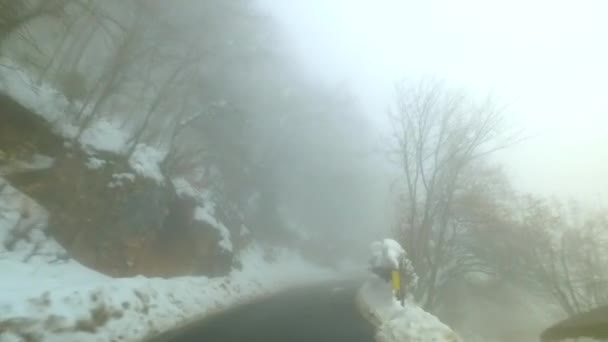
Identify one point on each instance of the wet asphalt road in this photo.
(322, 313)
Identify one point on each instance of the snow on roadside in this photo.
(77, 304)
(104, 135)
(397, 323)
(46, 296)
(386, 253)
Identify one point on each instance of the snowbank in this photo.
(46, 296)
(386, 253)
(396, 323)
(68, 302)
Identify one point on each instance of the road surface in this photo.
(313, 314)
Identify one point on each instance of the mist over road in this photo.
(318, 313)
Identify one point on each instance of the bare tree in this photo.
(439, 132)
(80, 26)
(128, 46)
(571, 263)
(168, 89)
(553, 251)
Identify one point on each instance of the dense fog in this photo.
(323, 126)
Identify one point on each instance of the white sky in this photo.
(547, 59)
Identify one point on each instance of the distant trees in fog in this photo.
(441, 136)
(459, 217)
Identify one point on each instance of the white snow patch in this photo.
(103, 135)
(53, 106)
(184, 188)
(40, 99)
(397, 323)
(386, 253)
(205, 214)
(95, 163)
(67, 130)
(119, 179)
(146, 160)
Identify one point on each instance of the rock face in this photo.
(108, 218)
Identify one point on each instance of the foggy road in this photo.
(320, 313)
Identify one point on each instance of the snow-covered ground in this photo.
(395, 322)
(47, 297)
(67, 302)
(386, 253)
